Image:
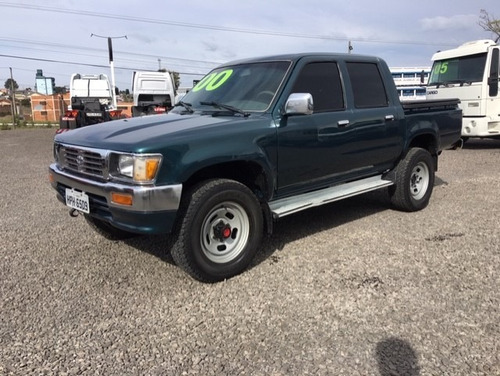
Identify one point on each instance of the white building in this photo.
(410, 81)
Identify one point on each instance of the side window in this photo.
(367, 85)
(322, 81)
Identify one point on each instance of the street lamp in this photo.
(111, 64)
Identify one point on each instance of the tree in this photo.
(8, 82)
(489, 23)
(59, 90)
(175, 76)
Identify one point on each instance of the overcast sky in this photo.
(192, 37)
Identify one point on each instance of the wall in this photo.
(47, 108)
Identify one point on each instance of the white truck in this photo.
(153, 92)
(470, 73)
(91, 101)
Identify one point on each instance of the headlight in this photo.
(139, 168)
(126, 165)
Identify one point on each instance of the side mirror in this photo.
(299, 104)
(493, 77)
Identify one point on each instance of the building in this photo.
(411, 82)
(5, 106)
(47, 108)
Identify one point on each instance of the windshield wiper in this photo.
(226, 107)
(187, 106)
(451, 83)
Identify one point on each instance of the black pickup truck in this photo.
(254, 141)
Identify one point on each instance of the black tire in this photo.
(221, 229)
(414, 181)
(105, 229)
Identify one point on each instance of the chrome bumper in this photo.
(145, 198)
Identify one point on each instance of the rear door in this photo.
(374, 120)
(353, 132)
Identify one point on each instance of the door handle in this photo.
(343, 123)
(389, 117)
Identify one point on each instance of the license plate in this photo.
(93, 114)
(77, 200)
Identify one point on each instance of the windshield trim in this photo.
(438, 78)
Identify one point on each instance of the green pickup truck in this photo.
(254, 141)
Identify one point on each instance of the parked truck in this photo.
(153, 93)
(91, 102)
(252, 142)
(470, 73)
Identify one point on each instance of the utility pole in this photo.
(111, 63)
(13, 98)
(349, 47)
(159, 65)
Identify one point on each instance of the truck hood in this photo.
(144, 134)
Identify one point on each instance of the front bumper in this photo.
(153, 208)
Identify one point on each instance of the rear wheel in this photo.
(106, 230)
(414, 181)
(221, 229)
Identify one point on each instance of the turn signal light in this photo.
(121, 198)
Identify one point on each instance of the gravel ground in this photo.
(353, 288)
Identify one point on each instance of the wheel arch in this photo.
(250, 173)
(427, 141)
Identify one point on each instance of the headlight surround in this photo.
(137, 168)
(56, 152)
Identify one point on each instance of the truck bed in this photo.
(410, 107)
(444, 112)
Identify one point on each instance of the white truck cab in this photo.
(83, 86)
(154, 93)
(470, 73)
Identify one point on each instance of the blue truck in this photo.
(255, 140)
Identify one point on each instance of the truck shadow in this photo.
(315, 220)
(287, 229)
(482, 143)
(291, 228)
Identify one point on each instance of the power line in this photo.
(66, 47)
(87, 64)
(213, 27)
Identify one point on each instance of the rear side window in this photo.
(322, 81)
(367, 85)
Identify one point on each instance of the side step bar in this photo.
(289, 205)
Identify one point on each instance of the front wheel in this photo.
(414, 181)
(221, 229)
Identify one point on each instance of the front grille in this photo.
(84, 161)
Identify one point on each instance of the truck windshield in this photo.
(461, 70)
(242, 88)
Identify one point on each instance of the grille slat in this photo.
(83, 161)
